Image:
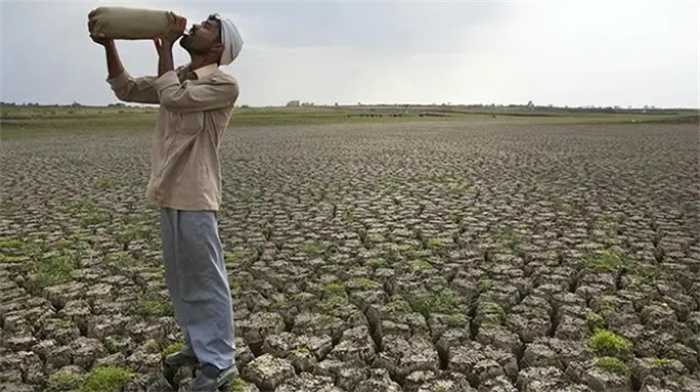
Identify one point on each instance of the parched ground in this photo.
(417, 256)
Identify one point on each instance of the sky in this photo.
(558, 52)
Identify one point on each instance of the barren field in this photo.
(422, 255)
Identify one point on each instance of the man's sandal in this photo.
(175, 361)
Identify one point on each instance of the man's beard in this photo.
(187, 44)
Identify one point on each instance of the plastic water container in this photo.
(129, 23)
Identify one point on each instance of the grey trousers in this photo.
(196, 277)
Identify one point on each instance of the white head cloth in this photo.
(231, 40)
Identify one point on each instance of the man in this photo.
(196, 101)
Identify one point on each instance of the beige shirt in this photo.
(185, 164)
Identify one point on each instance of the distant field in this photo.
(23, 121)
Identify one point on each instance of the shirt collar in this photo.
(205, 70)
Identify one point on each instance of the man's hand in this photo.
(175, 31)
(104, 41)
(114, 64)
(164, 43)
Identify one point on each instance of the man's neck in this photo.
(199, 62)
(203, 72)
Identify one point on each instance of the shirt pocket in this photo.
(189, 123)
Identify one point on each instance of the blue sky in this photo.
(576, 53)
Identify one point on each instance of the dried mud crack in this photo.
(414, 257)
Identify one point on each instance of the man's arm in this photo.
(114, 63)
(165, 57)
(130, 89)
(193, 97)
(125, 87)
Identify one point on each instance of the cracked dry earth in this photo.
(427, 256)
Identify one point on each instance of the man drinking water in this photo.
(196, 101)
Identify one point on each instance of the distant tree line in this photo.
(75, 104)
(295, 103)
(530, 106)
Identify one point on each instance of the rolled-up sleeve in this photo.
(192, 97)
(130, 89)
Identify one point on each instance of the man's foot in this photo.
(211, 379)
(174, 361)
(184, 357)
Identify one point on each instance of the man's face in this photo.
(201, 37)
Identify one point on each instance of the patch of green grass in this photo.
(172, 348)
(419, 265)
(131, 232)
(594, 321)
(154, 307)
(94, 218)
(104, 183)
(492, 309)
(606, 307)
(456, 319)
(334, 297)
(349, 215)
(11, 243)
(34, 249)
(64, 323)
(302, 350)
(392, 254)
(405, 248)
(61, 244)
(151, 346)
(441, 388)
(235, 285)
(238, 385)
(397, 305)
(313, 248)
(436, 243)
(106, 379)
(485, 285)
(648, 273)
(609, 224)
(661, 362)
(563, 206)
(376, 263)
(363, 283)
(64, 381)
(238, 256)
(445, 301)
(20, 252)
(112, 344)
(606, 260)
(55, 270)
(82, 205)
(120, 259)
(458, 187)
(612, 365)
(335, 288)
(12, 259)
(333, 303)
(375, 238)
(608, 343)
(88, 212)
(508, 237)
